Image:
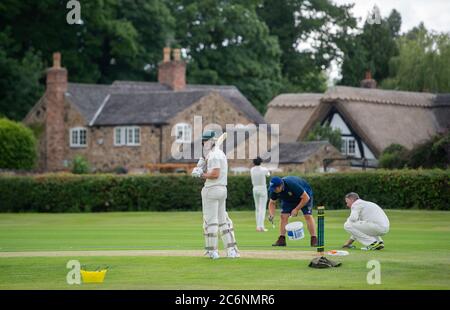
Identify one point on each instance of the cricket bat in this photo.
(222, 138)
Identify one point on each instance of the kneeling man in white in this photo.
(366, 223)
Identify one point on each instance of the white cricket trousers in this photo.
(365, 232)
(260, 198)
(216, 219)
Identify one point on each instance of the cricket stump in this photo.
(320, 230)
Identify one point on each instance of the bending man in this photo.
(295, 195)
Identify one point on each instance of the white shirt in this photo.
(217, 159)
(368, 211)
(259, 175)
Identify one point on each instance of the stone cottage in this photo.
(135, 125)
(129, 124)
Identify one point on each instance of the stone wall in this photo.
(35, 119)
(103, 155)
(101, 152)
(213, 108)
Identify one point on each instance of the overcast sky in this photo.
(434, 13)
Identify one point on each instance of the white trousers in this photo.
(260, 198)
(215, 218)
(365, 232)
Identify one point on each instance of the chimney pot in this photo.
(57, 60)
(177, 54)
(166, 54)
(368, 82)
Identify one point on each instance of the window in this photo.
(183, 133)
(127, 136)
(344, 147)
(78, 137)
(351, 147)
(348, 146)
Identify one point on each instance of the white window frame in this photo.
(127, 136)
(186, 133)
(344, 146)
(351, 140)
(75, 140)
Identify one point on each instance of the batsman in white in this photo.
(258, 174)
(214, 169)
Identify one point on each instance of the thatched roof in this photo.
(379, 117)
(133, 103)
(441, 110)
(403, 98)
(285, 111)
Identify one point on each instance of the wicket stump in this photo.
(321, 230)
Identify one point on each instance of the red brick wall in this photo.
(173, 74)
(55, 138)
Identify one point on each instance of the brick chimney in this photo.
(55, 136)
(172, 72)
(368, 82)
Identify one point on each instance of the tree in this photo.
(310, 34)
(325, 132)
(226, 43)
(115, 39)
(394, 22)
(423, 63)
(434, 153)
(373, 49)
(394, 156)
(17, 146)
(354, 63)
(19, 79)
(154, 25)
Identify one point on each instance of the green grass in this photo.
(417, 253)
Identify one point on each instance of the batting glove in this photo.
(197, 172)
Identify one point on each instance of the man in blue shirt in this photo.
(295, 195)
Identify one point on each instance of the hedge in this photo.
(410, 189)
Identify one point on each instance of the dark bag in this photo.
(323, 262)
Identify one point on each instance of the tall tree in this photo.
(371, 50)
(309, 33)
(226, 43)
(115, 39)
(423, 63)
(394, 22)
(19, 78)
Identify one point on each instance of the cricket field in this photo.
(163, 250)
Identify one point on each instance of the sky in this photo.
(434, 13)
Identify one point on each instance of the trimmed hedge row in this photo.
(410, 189)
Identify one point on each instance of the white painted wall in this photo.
(367, 152)
(338, 123)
